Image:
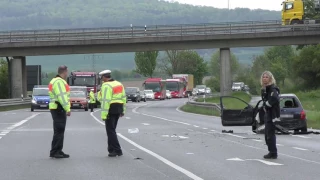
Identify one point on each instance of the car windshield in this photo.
(148, 91)
(84, 81)
(200, 86)
(40, 92)
(79, 94)
(131, 90)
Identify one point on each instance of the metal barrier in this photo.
(14, 102)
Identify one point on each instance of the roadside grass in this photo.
(311, 103)
(230, 103)
(15, 107)
(200, 110)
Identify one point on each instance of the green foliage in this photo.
(213, 83)
(200, 110)
(146, 62)
(191, 63)
(307, 66)
(4, 81)
(116, 74)
(185, 62)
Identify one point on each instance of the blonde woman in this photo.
(270, 96)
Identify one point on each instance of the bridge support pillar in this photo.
(225, 72)
(18, 77)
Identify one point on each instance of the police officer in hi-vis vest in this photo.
(113, 105)
(59, 106)
(92, 99)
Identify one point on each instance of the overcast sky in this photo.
(251, 4)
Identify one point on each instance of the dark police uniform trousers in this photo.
(59, 124)
(270, 134)
(111, 123)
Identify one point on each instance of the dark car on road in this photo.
(133, 94)
(292, 114)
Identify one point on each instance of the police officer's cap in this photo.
(104, 72)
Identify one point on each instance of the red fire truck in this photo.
(89, 79)
(176, 87)
(158, 86)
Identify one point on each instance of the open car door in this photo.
(236, 112)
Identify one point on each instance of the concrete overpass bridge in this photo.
(19, 44)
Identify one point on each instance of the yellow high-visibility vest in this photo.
(92, 98)
(59, 91)
(111, 92)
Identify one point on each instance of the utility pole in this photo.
(93, 59)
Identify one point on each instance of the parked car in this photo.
(168, 94)
(133, 94)
(143, 96)
(292, 114)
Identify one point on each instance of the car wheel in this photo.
(32, 109)
(145, 100)
(86, 109)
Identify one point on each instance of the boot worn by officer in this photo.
(271, 156)
(60, 155)
(114, 154)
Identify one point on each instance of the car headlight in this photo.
(34, 101)
(135, 95)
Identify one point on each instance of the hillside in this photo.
(45, 14)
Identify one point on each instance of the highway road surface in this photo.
(159, 142)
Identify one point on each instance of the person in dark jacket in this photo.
(271, 106)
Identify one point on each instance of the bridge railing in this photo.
(151, 31)
(14, 102)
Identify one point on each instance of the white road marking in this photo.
(294, 157)
(212, 130)
(183, 137)
(190, 130)
(302, 149)
(258, 140)
(280, 145)
(184, 171)
(146, 124)
(234, 135)
(301, 136)
(235, 159)
(127, 117)
(165, 136)
(266, 162)
(189, 153)
(5, 132)
(204, 128)
(195, 126)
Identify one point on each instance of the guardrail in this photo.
(14, 102)
(193, 102)
(152, 31)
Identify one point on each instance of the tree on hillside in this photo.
(146, 62)
(4, 84)
(277, 59)
(170, 63)
(307, 66)
(116, 74)
(191, 63)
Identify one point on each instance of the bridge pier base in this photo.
(18, 77)
(225, 72)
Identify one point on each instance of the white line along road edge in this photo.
(184, 171)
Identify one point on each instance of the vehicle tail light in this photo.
(303, 115)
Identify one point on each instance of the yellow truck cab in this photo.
(293, 12)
